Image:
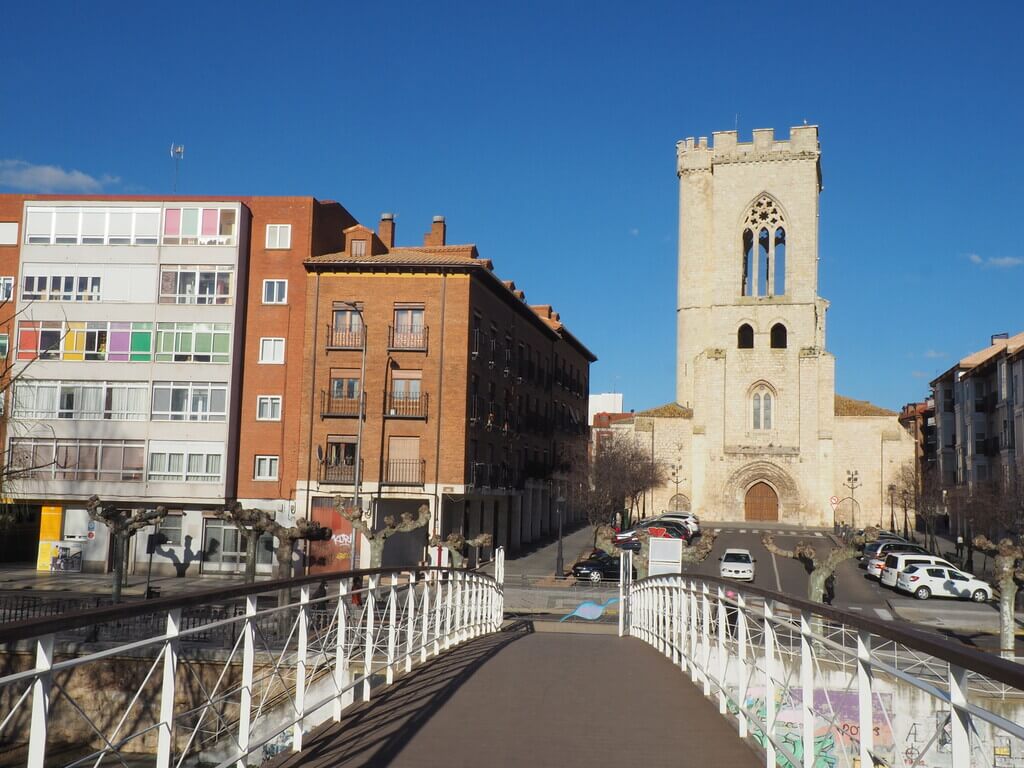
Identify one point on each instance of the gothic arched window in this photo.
(745, 337)
(779, 335)
(762, 407)
(764, 249)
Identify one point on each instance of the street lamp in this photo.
(559, 563)
(906, 529)
(677, 479)
(892, 514)
(357, 479)
(853, 483)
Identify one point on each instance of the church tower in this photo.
(751, 360)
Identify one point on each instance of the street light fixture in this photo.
(853, 483)
(892, 514)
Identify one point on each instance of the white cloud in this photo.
(1000, 262)
(934, 354)
(26, 177)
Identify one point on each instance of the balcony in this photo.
(338, 407)
(342, 338)
(400, 406)
(338, 474)
(410, 338)
(404, 471)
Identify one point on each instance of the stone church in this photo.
(757, 432)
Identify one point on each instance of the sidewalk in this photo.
(28, 580)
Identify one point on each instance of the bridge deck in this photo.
(537, 699)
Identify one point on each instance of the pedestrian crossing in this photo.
(774, 531)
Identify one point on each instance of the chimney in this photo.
(997, 336)
(436, 235)
(386, 229)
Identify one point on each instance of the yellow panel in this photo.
(74, 342)
(50, 519)
(47, 551)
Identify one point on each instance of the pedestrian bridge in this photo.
(420, 668)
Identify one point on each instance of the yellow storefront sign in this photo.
(50, 527)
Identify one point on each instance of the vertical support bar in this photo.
(368, 613)
(720, 665)
(692, 599)
(706, 637)
(769, 681)
(342, 676)
(248, 663)
(40, 703)
(684, 625)
(960, 718)
(449, 610)
(623, 593)
(300, 668)
(807, 687)
(741, 662)
(425, 620)
(165, 731)
(439, 604)
(865, 697)
(389, 672)
(410, 622)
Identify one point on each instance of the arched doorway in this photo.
(761, 503)
(679, 503)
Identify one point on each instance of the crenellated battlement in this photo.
(698, 154)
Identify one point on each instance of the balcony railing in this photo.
(406, 406)
(404, 471)
(340, 474)
(331, 407)
(407, 337)
(341, 338)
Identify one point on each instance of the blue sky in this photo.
(545, 133)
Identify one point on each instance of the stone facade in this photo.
(755, 385)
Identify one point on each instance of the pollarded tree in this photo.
(122, 524)
(378, 539)
(255, 522)
(820, 568)
(458, 546)
(1008, 557)
(696, 553)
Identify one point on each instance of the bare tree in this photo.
(1009, 572)
(458, 545)
(819, 569)
(605, 540)
(255, 522)
(122, 524)
(621, 473)
(922, 492)
(379, 538)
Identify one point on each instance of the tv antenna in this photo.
(177, 153)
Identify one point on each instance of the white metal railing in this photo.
(822, 688)
(231, 676)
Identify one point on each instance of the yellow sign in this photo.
(50, 519)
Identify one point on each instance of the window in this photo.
(745, 337)
(199, 226)
(275, 291)
(778, 336)
(347, 328)
(345, 383)
(763, 250)
(96, 340)
(61, 288)
(189, 401)
(266, 468)
(193, 342)
(762, 402)
(268, 408)
(6, 288)
(279, 236)
(272, 351)
(409, 332)
(358, 247)
(68, 225)
(82, 401)
(170, 527)
(5, 343)
(341, 451)
(61, 459)
(196, 285)
(185, 462)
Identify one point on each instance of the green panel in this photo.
(204, 343)
(221, 343)
(141, 346)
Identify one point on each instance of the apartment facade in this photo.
(128, 350)
(473, 399)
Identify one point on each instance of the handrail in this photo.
(31, 628)
(995, 667)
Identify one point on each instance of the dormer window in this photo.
(358, 248)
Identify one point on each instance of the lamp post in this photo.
(892, 514)
(853, 483)
(357, 479)
(906, 528)
(677, 479)
(559, 562)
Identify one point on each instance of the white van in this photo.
(898, 561)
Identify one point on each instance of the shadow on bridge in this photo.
(520, 697)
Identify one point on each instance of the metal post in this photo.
(425, 620)
(692, 599)
(720, 665)
(684, 626)
(449, 610)
(342, 676)
(677, 624)
(807, 687)
(368, 612)
(706, 636)
(559, 561)
(165, 732)
(741, 665)
(410, 622)
(865, 697)
(960, 718)
(769, 681)
(623, 593)
(389, 672)
(40, 703)
(248, 662)
(300, 667)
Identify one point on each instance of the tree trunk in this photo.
(376, 551)
(816, 584)
(251, 544)
(1007, 622)
(117, 541)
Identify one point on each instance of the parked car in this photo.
(887, 547)
(736, 564)
(688, 520)
(924, 581)
(876, 565)
(663, 529)
(900, 561)
(597, 567)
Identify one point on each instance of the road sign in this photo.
(834, 501)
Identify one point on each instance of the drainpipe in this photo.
(440, 388)
(312, 396)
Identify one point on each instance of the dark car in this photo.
(599, 566)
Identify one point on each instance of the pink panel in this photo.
(172, 221)
(210, 217)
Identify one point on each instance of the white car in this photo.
(924, 581)
(895, 562)
(736, 564)
(875, 566)
(686, 519)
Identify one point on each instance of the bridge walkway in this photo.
(525, 698)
